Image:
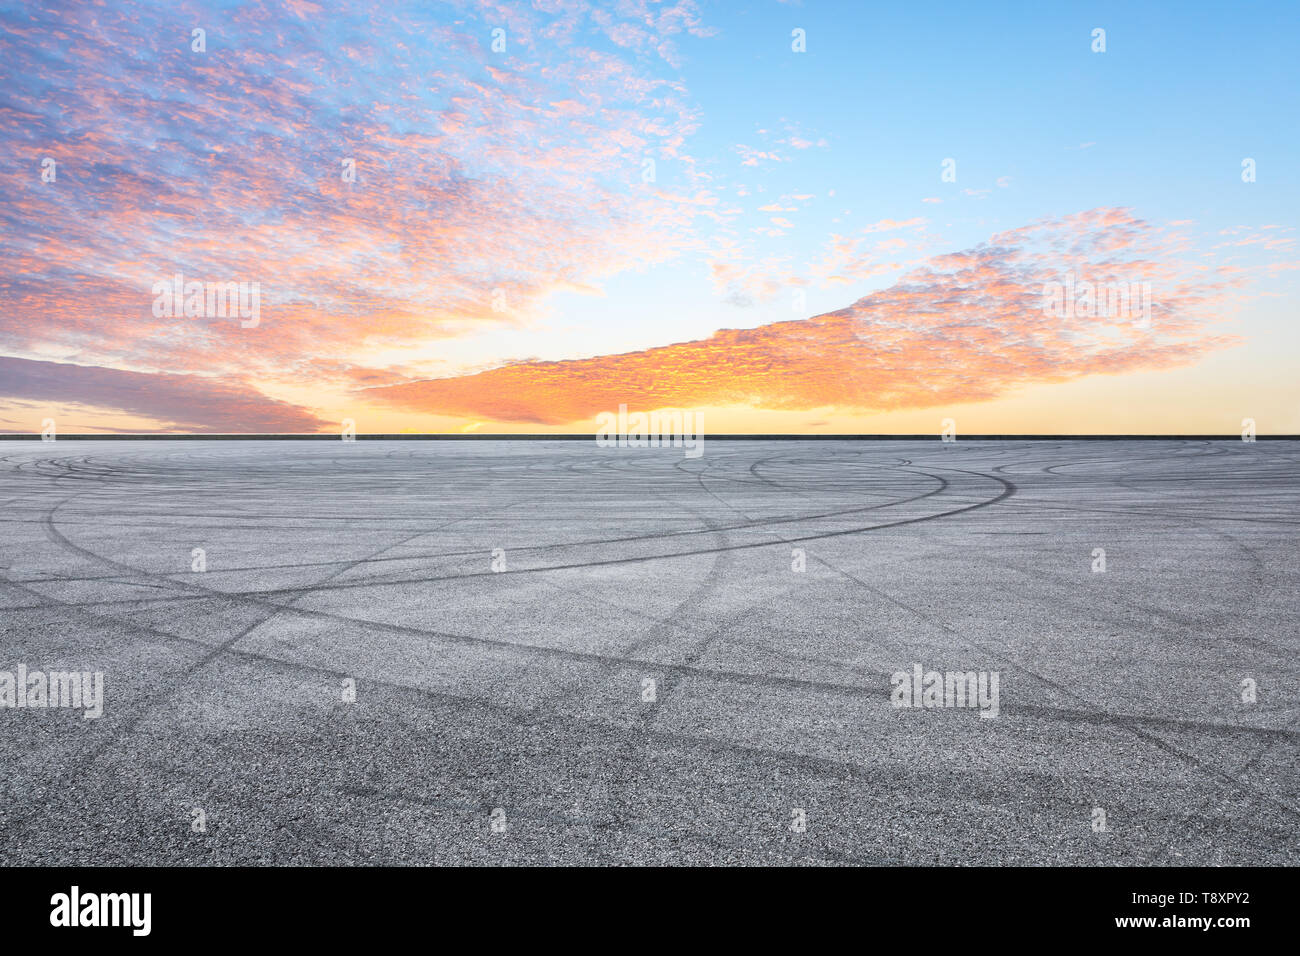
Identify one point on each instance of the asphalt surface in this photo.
(522, 691)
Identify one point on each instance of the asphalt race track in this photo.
(508, 716)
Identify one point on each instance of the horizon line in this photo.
(591, 436)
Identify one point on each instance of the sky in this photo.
(836, 218)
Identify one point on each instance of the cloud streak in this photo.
(187, 403)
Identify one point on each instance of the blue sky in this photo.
(500, 212)
(1160, 122)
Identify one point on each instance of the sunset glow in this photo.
(455, 229)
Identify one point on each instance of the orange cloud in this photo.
(968, 326)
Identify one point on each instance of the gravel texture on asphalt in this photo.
(610, 655)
